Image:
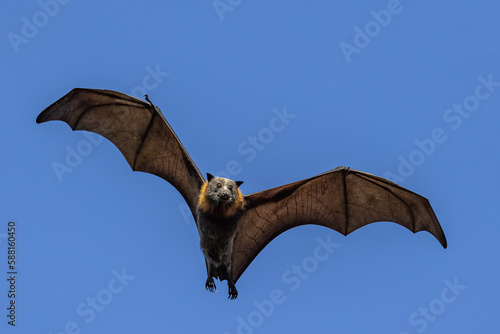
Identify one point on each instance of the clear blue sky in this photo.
(405, 89)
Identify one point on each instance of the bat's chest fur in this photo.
(216, 236)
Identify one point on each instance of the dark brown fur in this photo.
(217, 221)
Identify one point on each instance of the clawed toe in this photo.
(233, 293)
(210, 285)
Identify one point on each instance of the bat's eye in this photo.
(219, 185)
(230, 187)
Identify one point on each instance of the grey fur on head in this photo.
(220, 189)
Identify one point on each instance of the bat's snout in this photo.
(224, 196)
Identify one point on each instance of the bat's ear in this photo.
(238, 183)
(209, 177)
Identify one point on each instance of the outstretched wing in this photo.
(342, 199)
(139, 131)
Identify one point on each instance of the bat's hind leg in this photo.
(224, 275)
(233, 293)
(210, 284)
(211, 273)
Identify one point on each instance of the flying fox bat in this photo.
(234, 228)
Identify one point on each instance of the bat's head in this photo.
(221, 193)
(222, 190)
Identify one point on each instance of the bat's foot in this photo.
(233, 293)
(210, 285)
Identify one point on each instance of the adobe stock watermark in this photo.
(223, 6)
(31, 26)
(75, 155)
(88, 310)
(453, 118)
(249, 149)
(364, 35)
(292, 278)
(424, 316)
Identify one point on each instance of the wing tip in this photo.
(39, 119)
(44, 116)
(443, 242)
(439, 235)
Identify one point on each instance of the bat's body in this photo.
(220, 205)
(234, 228)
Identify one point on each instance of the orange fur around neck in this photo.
(225, 210)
